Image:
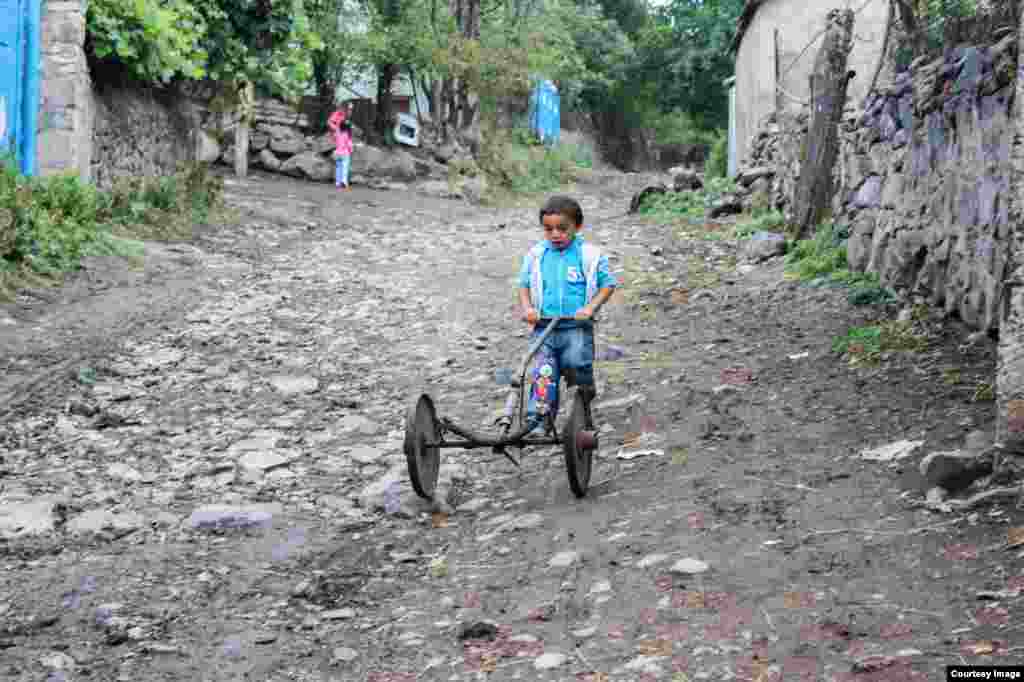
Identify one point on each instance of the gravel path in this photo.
(194, 461)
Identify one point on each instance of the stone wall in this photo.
(923, 178)
(66, 108)
(140, 131)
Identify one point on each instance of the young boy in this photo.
(562, 276)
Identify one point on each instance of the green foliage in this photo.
(50, 222)
(51, 219)
(156, 39)
(822, 261)
(765, 221)
(865, 345)
(689, 205)
(678, 127)
(717, 165)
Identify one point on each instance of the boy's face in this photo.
(560, 230)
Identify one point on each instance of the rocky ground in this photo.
(198, 461)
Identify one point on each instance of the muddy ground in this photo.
(197, 460)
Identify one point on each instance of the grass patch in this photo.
(690, 206)
(516, 162)
(866, 345)
(762, 221)
(47, 224)
(821, 261)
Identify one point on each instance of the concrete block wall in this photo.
(65, 121)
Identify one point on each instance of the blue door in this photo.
(12, 82)
(545, 118)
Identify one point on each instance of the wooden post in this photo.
(245, 111)
(1010, 357)
(813, 194)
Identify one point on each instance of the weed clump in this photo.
(47, 224)
(821, 261)
(866, 345)
(691, 205)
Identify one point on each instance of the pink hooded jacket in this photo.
(342, 137)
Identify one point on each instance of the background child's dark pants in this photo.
(564, 349)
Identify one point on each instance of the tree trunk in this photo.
(245, 110)
(1010, 358)
(437, 104)
(385, 109)
(813, 195)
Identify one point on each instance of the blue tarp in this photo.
(545, 116)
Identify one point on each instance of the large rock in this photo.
(727, 205)
(323, 144)
(267, 160)
(395, 164)
(954, 471)
(747, 176)
(258, 141)
(685, 179)
(286, 141)
(764, 245)
(208, 148)
(309, 165)
(447, 152)
(642, 195)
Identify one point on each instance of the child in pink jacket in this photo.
(341, 127)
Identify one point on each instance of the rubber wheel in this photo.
(578, 461)
(424, 461)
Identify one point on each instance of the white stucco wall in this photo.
(798, 21)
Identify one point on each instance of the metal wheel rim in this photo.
(426, 457)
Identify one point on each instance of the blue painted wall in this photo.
(19, 79)
(544, 113)
(12, 52)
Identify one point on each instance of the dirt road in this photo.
(194, 459)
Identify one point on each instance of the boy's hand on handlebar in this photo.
(584, 313)
(532, 316)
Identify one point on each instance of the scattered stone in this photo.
(584, 633)
(644, 195)
(98, 520)
(550, 661)
(954, 471)
(651, 560)
(478, 630)
(764, 245)
(601, 587)
(221, 517)
(564, 559)
(476, 504)
(339, 614)
(685, 179)
(344, 654)
(689, 566)
(355, 422)
(36, 517)
(892, 451)
(297, 385)
(261, 461)
(365, 454)
(748, 176)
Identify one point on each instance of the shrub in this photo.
(822, 260)
(717, 165)
(48, 223)
(690, 205)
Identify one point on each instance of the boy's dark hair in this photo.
(563, 205)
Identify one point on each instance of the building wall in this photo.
(65, 121)
(798, 22)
